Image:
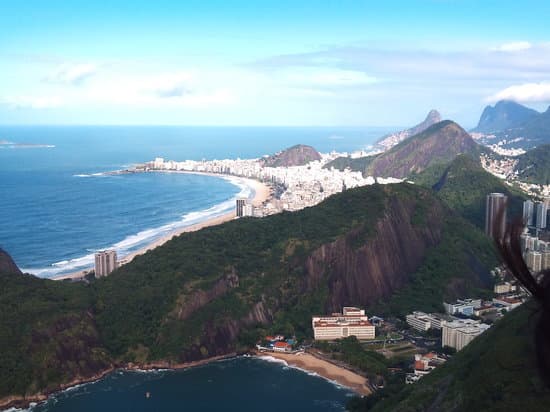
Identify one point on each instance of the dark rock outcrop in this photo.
(7, 265)
(298, 155)
(361, 276)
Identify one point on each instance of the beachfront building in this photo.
(351, 322)
(244, 208)
(105, 262)
(459, 333)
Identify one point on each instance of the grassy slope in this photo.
(534, 166)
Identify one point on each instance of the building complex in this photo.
(351, 322)
(105, 262)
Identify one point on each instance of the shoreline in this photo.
(303, 361)
(262, 193)
(307, 362)
(24, 401)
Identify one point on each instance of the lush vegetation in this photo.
(534, 166)
(463, 185)
(496, 372)
(205, 293)
(359, 164)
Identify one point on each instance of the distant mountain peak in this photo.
(297, 155)
(393, 139)
(505, 114)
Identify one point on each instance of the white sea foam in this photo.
(136, 241)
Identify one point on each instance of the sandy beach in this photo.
(261, 194)
(327, 370)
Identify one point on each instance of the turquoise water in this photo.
(242, 384)
(56, 211)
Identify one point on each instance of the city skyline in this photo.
(280, 64)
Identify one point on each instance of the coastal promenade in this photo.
(261, 194)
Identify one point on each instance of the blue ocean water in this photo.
(241, 384)
(56, 208)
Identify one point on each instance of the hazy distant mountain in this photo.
(393, 139)
(504, 115)
(298, 155)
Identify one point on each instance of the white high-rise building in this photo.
(495, 214)
(528, 212)
(351, 322)
(105, 262)
(533, 260)
(542, 212)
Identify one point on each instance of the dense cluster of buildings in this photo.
(304, 186)
(105, 262)
(351, 322)
(536, 251)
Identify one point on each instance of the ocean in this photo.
(240, 384)
(57, 207)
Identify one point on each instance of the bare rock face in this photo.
(361, 276)
(7, 265)
(298, 155)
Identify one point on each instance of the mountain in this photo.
(216, 291)
(495, 372)
(7, 265)
(534, 166)
(297, 155)
(504, 115)
(439, 143)
(391, 140)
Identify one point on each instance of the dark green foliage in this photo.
(359, 164)
(463, 185)
(46, 335)
(534, 166)
(351, 352)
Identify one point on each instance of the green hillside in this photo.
(463, 185)
(496, 372)
(534, 166)
(215, 291)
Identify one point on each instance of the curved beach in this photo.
(261, 194)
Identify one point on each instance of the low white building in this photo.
(351, 322)
(422, 321)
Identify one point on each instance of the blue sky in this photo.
(269, 63)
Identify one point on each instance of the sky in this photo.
(272, 63)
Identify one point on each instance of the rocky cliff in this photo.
(7, 265)
(298, 155)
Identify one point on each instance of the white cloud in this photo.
(327, 77)
(33, 102)
(512, 47)
(528, 92)
(75, 74)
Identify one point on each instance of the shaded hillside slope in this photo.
(463, 185)
(392, 139)
(534, 166)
